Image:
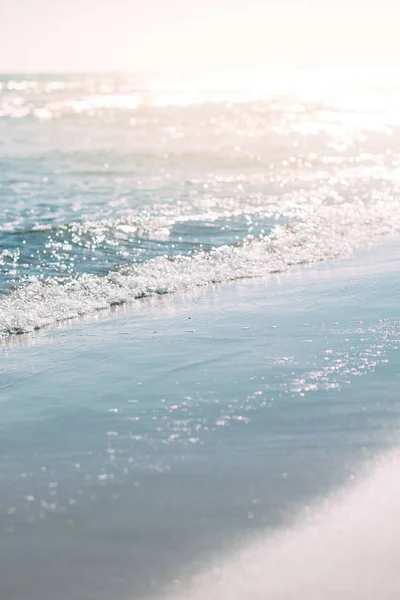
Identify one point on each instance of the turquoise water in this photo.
(192, 389)
(113, 188)
(142, 447)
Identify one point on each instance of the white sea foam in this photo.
(327, 233)
(345, 548)
(158, 222)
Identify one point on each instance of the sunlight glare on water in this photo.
(128, 173)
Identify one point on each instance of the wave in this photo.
(329, 233)
(159, 218)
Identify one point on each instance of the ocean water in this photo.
(114, 188)
(204, 400)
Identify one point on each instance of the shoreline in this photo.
(149, 305)
(198, 420)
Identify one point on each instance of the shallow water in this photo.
(140, 449)
(156, 443)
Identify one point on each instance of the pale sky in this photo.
(185, 35)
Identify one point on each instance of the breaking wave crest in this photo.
(329, 233)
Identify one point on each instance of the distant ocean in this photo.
(203, 403)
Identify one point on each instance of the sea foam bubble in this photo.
(327, 233)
